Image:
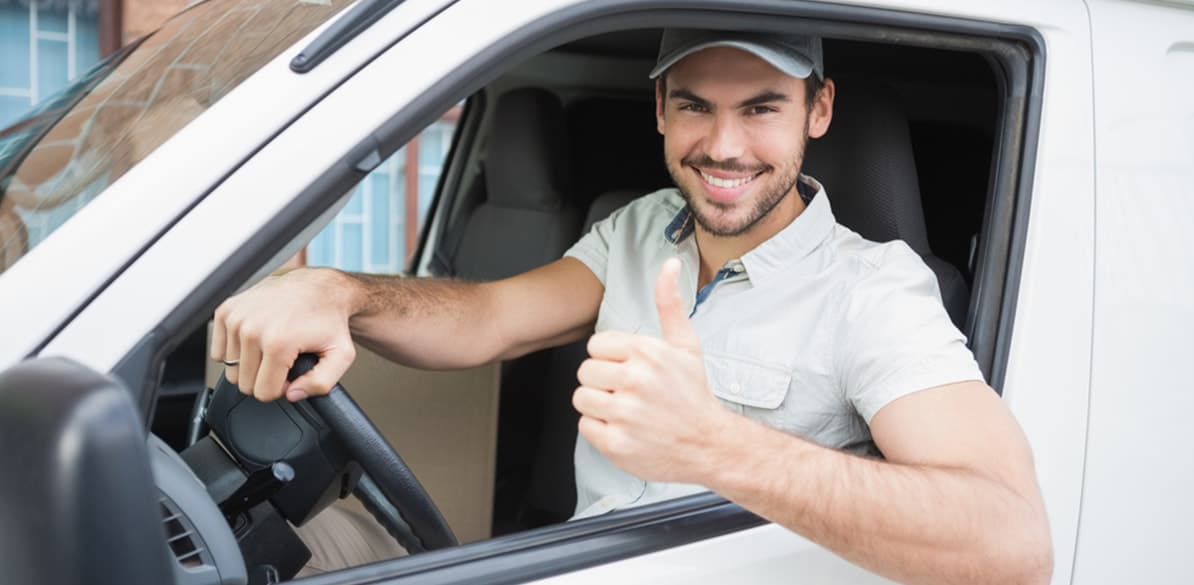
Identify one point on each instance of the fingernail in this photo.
(295, 395)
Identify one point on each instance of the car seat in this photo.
(865, 163)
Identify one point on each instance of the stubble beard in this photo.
(780, 187)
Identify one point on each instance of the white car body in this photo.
(1096, 370)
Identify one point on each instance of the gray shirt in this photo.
(812, 332)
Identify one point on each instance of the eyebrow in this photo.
(684, 94)
(763, 98)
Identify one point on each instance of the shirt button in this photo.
(735, 388)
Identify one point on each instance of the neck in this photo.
(715, 251)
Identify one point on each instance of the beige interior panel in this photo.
(443, 424)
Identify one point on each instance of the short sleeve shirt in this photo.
(812, 332)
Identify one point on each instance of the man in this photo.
(745, 341)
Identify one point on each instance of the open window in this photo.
(941, 113)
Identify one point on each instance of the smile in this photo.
(727, 183)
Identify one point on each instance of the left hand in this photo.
(645, 402)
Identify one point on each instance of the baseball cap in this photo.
(796, 55)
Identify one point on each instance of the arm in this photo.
(955, 502)
(446, 324)
(428, 323)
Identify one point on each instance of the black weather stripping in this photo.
(361, 17)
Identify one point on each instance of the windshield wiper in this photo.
(353, 23)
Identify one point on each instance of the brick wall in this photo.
(142, 17)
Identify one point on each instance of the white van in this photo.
(1038, 155)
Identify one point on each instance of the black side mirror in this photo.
(77, 498)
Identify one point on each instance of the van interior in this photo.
(556, 143)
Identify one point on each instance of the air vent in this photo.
(180, 535)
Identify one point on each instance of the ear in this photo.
(659, 103)
(822, 111)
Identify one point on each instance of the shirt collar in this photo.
(794, 242)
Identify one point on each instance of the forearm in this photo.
(422, 322)
(915, 524)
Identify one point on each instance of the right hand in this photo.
(265, 328)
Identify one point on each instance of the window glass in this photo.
(77, 142)
(43, 45)
(377, 230)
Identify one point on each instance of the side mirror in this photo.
(77, 499)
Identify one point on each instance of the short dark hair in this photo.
(812, 87)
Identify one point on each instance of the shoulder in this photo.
(664, 203)
(866, 260)
(653, 210)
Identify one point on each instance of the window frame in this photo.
(445, 200)
(1017, 54)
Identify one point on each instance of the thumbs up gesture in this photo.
(645, 402)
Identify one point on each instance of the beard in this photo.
(707, 212)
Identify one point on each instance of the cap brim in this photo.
(797, 67)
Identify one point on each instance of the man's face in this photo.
(734, 131)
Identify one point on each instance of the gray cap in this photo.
(796, 55)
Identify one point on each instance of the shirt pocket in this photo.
(748, 382)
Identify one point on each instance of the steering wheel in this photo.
(387, 487)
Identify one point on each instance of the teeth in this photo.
(726, 183)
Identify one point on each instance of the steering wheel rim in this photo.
(391, 491)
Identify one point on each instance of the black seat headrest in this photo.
(615, 145)
(865, 162)
(527, 164)
(609, 202)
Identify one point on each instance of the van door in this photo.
(1136, 502)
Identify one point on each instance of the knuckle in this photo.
(627, 409)
(274, 348)
(319, 387)
(584, 426)
(585, 371)
(628, 378)
(250, 332)
(233, 324)
(617, 444)
(590, 346)
(650, 351)
(637, 377)
(640, 346)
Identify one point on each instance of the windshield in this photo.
(76, 143)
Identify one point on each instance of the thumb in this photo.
(321, 378)
(673, 320)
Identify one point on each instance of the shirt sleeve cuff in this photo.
(595, 261)
(930, 373)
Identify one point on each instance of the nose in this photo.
(726, 140)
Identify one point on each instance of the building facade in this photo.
(44, 44)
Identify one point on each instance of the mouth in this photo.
(725, 187)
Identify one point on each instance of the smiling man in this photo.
(776, 358)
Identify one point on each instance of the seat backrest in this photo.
(528, 217)
(551, 489)
(609, 202)
(866, 163)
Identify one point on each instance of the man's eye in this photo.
(693, 108)
(759, 110)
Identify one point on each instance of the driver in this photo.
(745, 342)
